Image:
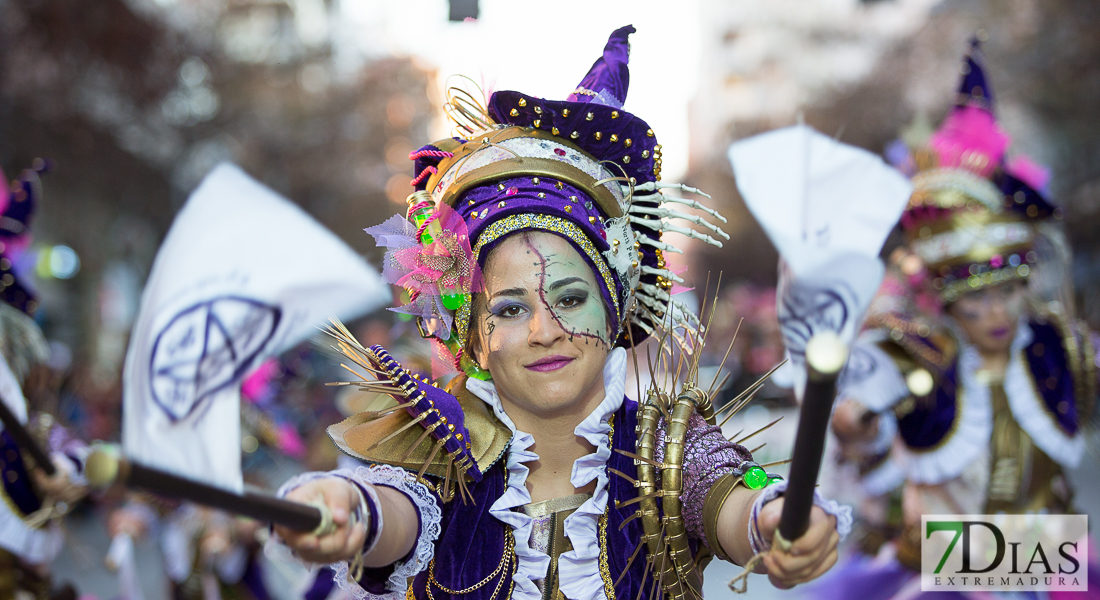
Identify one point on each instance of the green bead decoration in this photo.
(474, 371)
(755, 478)
(454, 301)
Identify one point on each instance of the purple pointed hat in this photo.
(582, 168)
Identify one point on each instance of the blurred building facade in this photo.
(135, 100)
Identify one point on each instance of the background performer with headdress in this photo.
(532, 249)
(30, 500)
(984, 383)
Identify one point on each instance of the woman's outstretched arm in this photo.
(395, 539)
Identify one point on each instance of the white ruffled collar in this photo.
(579, 573)
(970, 438)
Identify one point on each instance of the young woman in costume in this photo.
(982, 387)
(535, 260)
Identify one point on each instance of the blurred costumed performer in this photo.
(535, 259)
(30, 537)
(983, 387)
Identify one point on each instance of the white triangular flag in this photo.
(827, 207)
(243, 274)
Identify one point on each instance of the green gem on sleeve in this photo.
(755, 478)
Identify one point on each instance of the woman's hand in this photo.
(59, 486)
(808, 557)
(346, 540)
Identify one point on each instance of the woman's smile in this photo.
(550, 363)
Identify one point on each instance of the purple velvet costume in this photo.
(471, 542)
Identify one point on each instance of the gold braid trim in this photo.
(605, 570)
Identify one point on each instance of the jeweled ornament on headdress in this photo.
(582, 168)
(971, 215)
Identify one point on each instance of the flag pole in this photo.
(25, 440)
(105, 469)
(826, 354)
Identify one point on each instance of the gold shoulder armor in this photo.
(374, 441)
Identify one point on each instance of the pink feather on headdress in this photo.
(970, 138)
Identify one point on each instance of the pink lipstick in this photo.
(550, 363)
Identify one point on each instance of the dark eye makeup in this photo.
(572, 299)
(508, 310)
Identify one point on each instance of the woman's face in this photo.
(989, 316)
(542, 329)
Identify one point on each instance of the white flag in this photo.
(827, 207)
(243, 274)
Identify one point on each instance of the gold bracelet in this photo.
(712, 507)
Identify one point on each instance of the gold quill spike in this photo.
(741, 401)
(712, 389)
(447, 479)
(626, 521)
(400, 430)
(462, 489)
(431, 457)
(638, 499)
(373, 386)
(693, 375)
(759, 382)
(632, 481)
(768, 426)
(651, 562)
(629, 561)
(416, 444)
(757, 448)
(659, 585)
(629, 454)
(378, 414)
(776, 463)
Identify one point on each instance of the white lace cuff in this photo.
(757, 541)
(426, 505)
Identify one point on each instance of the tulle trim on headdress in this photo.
(434, 263)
